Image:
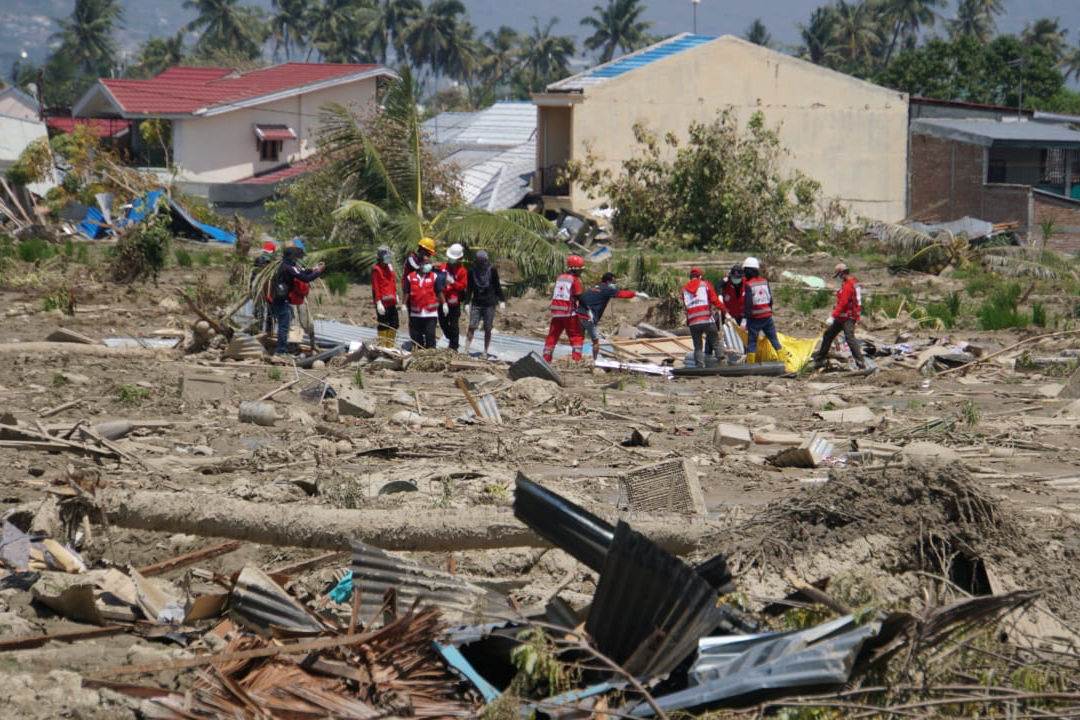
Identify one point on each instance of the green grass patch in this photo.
(1038, 315)
(205, 258)
(35, 249)
(998, 311)
(183, 258)
(131, 394)
(337, 284)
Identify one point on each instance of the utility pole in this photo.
(694, 4)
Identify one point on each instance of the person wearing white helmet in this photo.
(455, 284)
(757, 309)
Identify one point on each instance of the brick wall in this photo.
(1066, 218)
(946, 183)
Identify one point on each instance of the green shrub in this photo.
(205, 258)
(811, 301)
(69, 248)
(998, 311)
(35, 249)
(7, 247)
(337, 283)
(183, 258)
(131, 394)
(1038, 315)
(82, 254)
(141, 252)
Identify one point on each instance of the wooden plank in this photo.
(24, 642)
(190, 558)
(303, 565)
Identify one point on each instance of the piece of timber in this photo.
(190, 558)
(24, 642)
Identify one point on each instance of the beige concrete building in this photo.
(849, 135)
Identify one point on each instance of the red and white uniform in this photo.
(568, 289)
(699, 299)
(733, 297)
(457, 282)
(758, 298)
(384, 285)
(423, 300)
(848, 301)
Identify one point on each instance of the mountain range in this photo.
(25, 25)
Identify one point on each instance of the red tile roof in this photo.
(275, 176)
(274, 132)
(101, 127)
(183, 90)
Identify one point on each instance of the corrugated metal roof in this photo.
(570, 527)
(650, 607)
(627, 63)
(259, 603)
(993, 132)
(502, 181)
(446, 126)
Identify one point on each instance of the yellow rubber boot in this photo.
(751, 358)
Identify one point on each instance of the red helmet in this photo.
(575, 262)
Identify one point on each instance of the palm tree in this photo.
(1047, 34)
(856, 32)
(384, 26)
(908, 17)
(290, 24)
(1070, 64)
(387, 194)
(500, 54)
(976, 18)
(86, 37)
(616, 26)
(819, 36)
(335, 31)
(227, 26)
(158, 54)
(461, 59)
(758, 34)
(432, 35)
(545, 58)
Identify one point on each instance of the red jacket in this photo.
(758, 301)
(423, 298)
(384, 284)
(733, 296)
(457, 282)
(848, 300)
(699, 299)
(565, 296)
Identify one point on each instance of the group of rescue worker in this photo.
(434, 295)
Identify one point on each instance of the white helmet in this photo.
(455, 252)
(751, 263)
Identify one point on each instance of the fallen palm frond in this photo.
(1016, 261)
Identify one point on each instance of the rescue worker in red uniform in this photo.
(565, 300)
(424, 296)
(455, 283)
(385, 296)
(425, 251)
(845, 316)
(757, 309)
(702, 304)
(732, 294)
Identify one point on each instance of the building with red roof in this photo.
(228, 125)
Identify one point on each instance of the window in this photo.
(270, 150)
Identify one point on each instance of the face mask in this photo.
(425, 268)
(737, 281)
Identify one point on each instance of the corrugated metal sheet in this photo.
(994, 132)
(503, 181)
(376, 571)
(745, 669)
(568, 526)
(627, 63)
(650, 607)
(446, 126)
(259, 603)
(504, 124)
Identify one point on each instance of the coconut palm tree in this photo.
(289, 25)
(387, 195)
(335, 31)
(618, 25)
(157, 54)
(545, 58)
(500, 54)
(384, 26)
(908, 17)
(226, 26)
(86, 39)
(758, 34)
(976, 18)
(819, 36)
(856, 34)
(1070, 64)
(430, 38)
(1048, 34)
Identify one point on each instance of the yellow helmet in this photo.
(428, 244)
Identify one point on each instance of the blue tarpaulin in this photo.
(182, 223)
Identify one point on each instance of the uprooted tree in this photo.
(720, 188)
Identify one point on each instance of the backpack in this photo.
(299, 291)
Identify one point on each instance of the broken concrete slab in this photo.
(536, 390)
(728, 435)
(930, 453)
(857, 415)
(532, 365)
(354, 402)
(1050, 390)
(66, 335)
(810, 454)
(203, 387)
(1071, 391)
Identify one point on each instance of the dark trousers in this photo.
(705, 335)
(848, 328)
(388, 320)
(282, 314)
(755, 328)
(422, 331)
(451, 325)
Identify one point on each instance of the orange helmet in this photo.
(575, 262)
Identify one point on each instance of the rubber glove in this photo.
(829, 321)
(643, 296)
(502, 306)
(379, 307)
(468, 310)
(445, 309)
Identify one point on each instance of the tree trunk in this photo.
(315, 527)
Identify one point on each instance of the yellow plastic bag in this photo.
(794, 352)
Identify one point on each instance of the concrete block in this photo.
(354, 402)
(728, 435)
(533, 365)
(66, 335)
(203, 388)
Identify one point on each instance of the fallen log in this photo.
(293, 525)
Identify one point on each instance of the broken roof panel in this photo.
(1009, 133)
(568, 526)
(628, 63)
